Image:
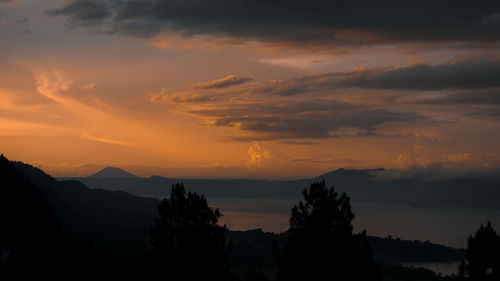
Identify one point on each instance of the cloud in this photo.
(481, 76)
(51, 88)
(172, 96)
(294, 142)
(84, 12)
(448, 165)
(456, 157)
(208, 91)
(303, 119)
(465, 74)
(461, 75)
(88, 86)
(486, 97)
(163, 43)
(302, 22)
(488, 113)
(87, 119)
(88, 136)
(263, 111)
(257, 153)
(474, 82)
(225, 82)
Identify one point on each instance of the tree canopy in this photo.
(482, 256)
(321, 243)
(188, 243)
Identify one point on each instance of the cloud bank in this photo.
(319, 21)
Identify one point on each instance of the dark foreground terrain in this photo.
(108, 231)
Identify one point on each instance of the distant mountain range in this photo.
(369, 186)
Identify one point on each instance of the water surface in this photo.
(447, 226)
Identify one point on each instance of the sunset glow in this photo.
(89, 86)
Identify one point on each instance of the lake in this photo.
(447, 226)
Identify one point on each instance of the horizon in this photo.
(410, 172)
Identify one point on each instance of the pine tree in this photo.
(321, 243)
(482, 256)
(188, 243)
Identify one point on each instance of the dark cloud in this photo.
(200, 92)
(466, 74)
(468, 98)
(311, 119)
(487, 113)
(462, 75)
(84, 11)
(339, 22)
(225, 82)
(294, 142)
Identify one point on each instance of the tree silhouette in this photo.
(321, 243)
(482, 256)
(188, 244)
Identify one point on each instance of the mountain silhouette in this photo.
(114, 222)
(111, 173)
(369, 186)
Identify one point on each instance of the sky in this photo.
(250, 89)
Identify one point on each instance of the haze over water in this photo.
(447, 226)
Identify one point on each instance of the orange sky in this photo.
(74, 100)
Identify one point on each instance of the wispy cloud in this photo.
(86, 135)
(225, 82)
(96, 123)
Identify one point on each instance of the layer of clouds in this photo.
(319, 106)
(463, 75)
(467, 82)
(466, 74)
(303, 119)
(320, 21)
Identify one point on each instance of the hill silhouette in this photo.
(368, 186)
(114, 222)
(111, 173)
